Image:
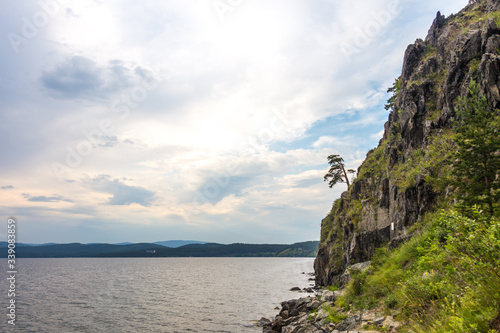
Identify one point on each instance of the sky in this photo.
(143, 121)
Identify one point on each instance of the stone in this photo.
(349, 323)
(300, 306)
(314, 305)
(362, 266)
(412, 58)
(368, 316)
(284, 314)
(301, 329)
(277, 324)
(432, 36)
(263, 322)
(328, 296)
(391, 324)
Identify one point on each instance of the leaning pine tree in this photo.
(476, 162)
(337, 172)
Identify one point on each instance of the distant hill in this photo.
(199, 249)
(178, 243)
(169, 243)
(80, 250)
(4, 244)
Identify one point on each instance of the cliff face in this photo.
(404, 177)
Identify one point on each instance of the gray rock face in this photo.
(435, 73)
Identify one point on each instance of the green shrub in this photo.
(342, 303)
(432, 163)
(445, 279)
(333, 315)
(375, 163)
(335, 287)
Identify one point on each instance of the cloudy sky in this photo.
(128, 120)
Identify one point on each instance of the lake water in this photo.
(150, 294)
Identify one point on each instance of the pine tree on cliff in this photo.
(476, 162)
(337, 172)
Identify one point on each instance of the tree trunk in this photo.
(345, 175)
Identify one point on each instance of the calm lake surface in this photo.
(150, 294)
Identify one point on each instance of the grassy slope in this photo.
(446, 279)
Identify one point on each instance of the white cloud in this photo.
(232, 117)
(332, 141)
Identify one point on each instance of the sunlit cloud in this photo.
(168, 119)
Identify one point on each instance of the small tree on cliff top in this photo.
(337, 172)
(476, 162)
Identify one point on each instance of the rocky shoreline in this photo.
(316, 314)
(312, 314)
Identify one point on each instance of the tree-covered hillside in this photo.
(75, 250)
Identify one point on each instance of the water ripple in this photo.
(153, 294)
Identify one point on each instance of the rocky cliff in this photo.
(403, 178)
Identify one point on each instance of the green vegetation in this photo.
(446, 279)
(476, 161)
(303, 249)
(431, 163)
(470, 17)
(375, 163)
(307, 251)
(333, 288)
(333, 315)
(495, 16)
(430, 52)
(396, 87)
(464, 20)
(406, 173)
(438, 82)
(374, 328)
(326, 228)
(328, 222)
(438, 156)
(474, 65)
(354, 212)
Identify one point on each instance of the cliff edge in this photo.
(405, 176)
